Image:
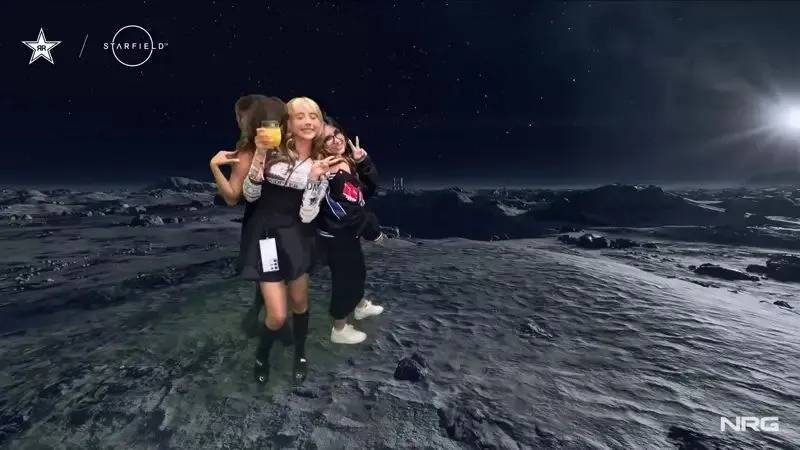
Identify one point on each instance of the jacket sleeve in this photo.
(251, 190)
(345, 200)
(368, 175)
(312, 197)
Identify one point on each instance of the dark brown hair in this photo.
(251, 110)
(348, 150)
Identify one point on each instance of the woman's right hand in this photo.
(321, 167)
(265, 141)
(261, 154)
(223, 158)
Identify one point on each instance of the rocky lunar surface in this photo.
(618, 317)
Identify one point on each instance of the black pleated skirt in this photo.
(296, 245)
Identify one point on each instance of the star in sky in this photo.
(41, 47)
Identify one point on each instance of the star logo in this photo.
(41, 47)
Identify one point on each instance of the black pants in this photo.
(348, 273)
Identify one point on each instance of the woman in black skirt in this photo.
(250, 111)
(342, 222)
(277, 245)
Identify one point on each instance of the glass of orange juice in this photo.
(272, 129)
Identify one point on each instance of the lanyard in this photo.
(289, 177)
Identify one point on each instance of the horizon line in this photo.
(426, 185)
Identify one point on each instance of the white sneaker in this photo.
(368, 310)
(347, 335)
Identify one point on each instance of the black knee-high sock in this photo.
(300, 328)
(265, 344)
(251, 324)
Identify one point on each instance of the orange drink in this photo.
(272, 129)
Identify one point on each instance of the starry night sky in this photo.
(498, 92)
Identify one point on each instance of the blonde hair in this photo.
(287, 152)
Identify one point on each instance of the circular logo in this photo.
(133, 45)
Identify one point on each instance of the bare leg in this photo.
(298, 294)
(275, 302)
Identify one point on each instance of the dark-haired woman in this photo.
(342, 222)
(250, 111)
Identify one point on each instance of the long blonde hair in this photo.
(287, 152)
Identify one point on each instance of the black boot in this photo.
(300, 329)
(251, 323)
(300, 369)
(261, 367)
(261, 372)
(286, 336)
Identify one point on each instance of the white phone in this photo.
(269, 255)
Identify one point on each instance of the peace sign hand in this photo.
(223, 158)
(323, 166)
(358, 152)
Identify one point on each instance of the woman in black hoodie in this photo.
(342, 222)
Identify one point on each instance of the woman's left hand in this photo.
(322, 167)
(358, 152)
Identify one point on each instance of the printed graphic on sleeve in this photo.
(352, 193)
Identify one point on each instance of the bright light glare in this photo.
(791, 119)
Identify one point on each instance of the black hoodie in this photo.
(342, 211)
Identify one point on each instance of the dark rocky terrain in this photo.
(618, 317)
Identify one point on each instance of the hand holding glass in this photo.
(269, 134)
